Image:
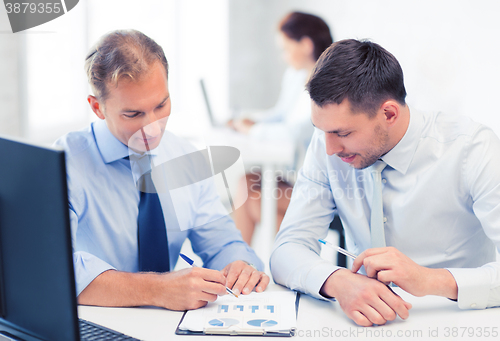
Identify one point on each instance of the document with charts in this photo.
(272, 313)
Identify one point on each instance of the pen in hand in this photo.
(191, 262)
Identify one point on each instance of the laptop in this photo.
(37, 280)
(210, 113)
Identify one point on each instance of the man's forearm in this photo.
(441, 282)
(121, 289)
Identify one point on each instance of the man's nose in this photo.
(333, 145)
(152, 127)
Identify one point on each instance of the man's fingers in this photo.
(242, 280)
(233, 271)
(360, 319)
(361, 259)
(397, 304)
(358, 262)
(255, 278)
(214, 288)
(210, 275)
(207, 297)
(231, 277)
(373, 314)
(264, 281)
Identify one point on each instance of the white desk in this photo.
(431, 318)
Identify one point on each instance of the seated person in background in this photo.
(127, 241)
(303, 38)
(417, 194)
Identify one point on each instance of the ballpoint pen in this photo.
(338, 249)
(191, 262)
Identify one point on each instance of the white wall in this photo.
(448, 48)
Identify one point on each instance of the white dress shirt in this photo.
(441, 201)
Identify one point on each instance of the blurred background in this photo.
(448, 50)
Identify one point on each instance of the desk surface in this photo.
(431, 318)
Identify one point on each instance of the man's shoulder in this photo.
(76, 142)
(448, 127)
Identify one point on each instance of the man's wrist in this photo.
(327, 289)
(253, 266)
(440, 282)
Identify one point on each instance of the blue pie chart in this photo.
(223, 322)
(262, 323)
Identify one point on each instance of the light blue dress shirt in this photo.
(441, 201)
(104, 205)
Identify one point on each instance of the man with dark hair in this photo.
(379, 167)
(127, 229)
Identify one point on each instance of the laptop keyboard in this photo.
(93, 332)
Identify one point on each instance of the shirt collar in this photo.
(110, 147)
(402, 154)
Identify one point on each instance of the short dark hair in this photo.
(119, 54)
(361, 71)
(297, 25)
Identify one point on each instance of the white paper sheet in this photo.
(254, 313)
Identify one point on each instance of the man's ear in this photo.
(391, 110)
(96, 106)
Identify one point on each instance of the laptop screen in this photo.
(37, 287)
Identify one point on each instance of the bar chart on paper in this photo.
(257, 312)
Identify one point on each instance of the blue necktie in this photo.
(151, 229)
(377, 214)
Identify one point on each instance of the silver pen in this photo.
(338, 249)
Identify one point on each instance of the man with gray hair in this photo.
(126, 235)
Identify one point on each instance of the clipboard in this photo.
(247, 326)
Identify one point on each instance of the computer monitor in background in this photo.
(37, 287)
(210, 113)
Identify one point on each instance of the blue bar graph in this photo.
(223, 307)
(254, 308)
(238, 307)
(270, 308)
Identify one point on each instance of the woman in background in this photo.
(303, 38)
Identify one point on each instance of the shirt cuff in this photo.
(473, 287)
(317, 276)
(87, 268)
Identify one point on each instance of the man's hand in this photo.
(387, 264)
(190, 288)
(364, 300)
(243, 278)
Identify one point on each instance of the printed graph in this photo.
(223, 322)
(262, 323)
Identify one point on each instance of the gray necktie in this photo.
(377, 214)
